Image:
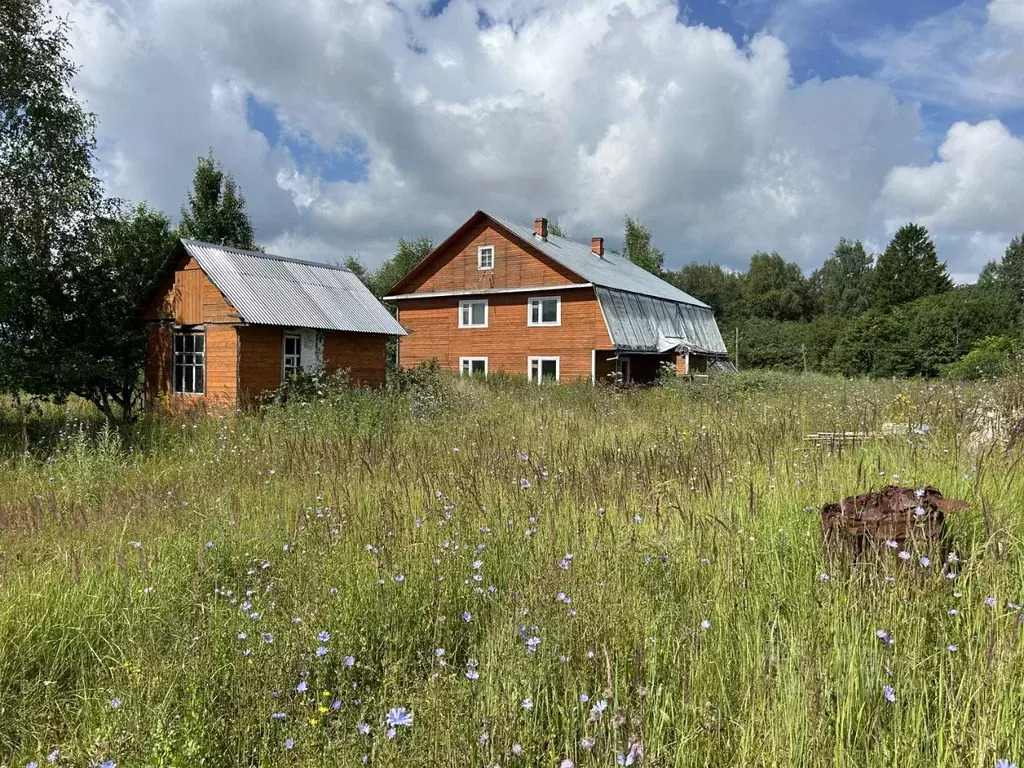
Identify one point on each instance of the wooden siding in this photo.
(364, 354)
(515, 266)
(158, 363)
(508, 341)
(188, 297)
(221, 365)
(221, 370)
(259, 360)
(261, 365)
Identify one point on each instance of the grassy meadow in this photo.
(526, 576)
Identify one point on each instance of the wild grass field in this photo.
(496, 574)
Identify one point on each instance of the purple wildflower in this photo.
(399, 716)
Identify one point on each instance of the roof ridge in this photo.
(619, 264)
(267, 256)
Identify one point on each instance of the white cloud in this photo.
(970, 194)
(965, 57)
(584, 110)
(1007, 13)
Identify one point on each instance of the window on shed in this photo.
(292, 354)
(189, 361)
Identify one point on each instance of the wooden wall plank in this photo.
(455, 268)
(508, 341)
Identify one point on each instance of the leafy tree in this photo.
(105, 362)
(775, 289)
(216, 209)
(49, 198)
(920, 338)
(1008, 273)
(908, 269)
(554, 228)
(354, 265)
(842, 285)
(867, 338)
(716, 287)
(408, 255)
(638, 248)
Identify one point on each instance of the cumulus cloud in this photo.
(582, 110)
(968, 193)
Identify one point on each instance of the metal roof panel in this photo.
(274, 290)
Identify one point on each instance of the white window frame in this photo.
(468, 303)
(188, 362)
(480, 257)
(285, 356)
(538, 302)
(540, 365)
(466, 365)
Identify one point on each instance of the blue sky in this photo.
(727, 126)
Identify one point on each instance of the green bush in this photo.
(992, 356)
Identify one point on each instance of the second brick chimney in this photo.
(540, 228)
(597, 246)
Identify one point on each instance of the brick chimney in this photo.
(597, 246)
(540, 228)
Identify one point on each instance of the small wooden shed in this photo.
(224, 325)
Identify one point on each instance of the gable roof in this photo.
(608, 271)
(275, 290)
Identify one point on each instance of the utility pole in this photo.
(803, 351)
(736, 348)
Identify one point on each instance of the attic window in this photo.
(485, 257)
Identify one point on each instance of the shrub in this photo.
(992, 356)
(431, 389)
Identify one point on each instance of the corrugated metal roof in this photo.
(643, 323)
(274, 290)
(610, 271)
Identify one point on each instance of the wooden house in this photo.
(224, 325)
(501, 296)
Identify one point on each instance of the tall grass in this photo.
(656, 551)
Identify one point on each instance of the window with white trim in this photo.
(473, 313)
(292, 354)
(189, 374)
(544, 310)
(485, 257)
(473, 366)
(543, 369)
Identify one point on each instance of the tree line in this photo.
(892, 314)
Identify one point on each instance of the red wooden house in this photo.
(500, 296)
(225, 325)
